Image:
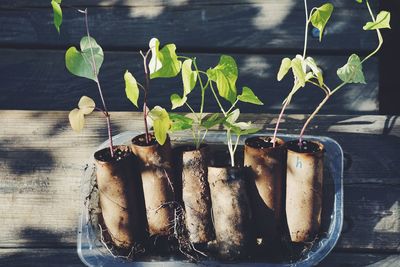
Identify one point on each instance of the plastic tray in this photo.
(93, 253)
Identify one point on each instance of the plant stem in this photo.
(94, 68)
(147, 87)
(378, 32)
(230, 147)
(306, 30)
(278, 122)
(216, 98)
(311, 117)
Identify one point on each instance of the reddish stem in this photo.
(278, 122)
(94, 67)
(147, 87)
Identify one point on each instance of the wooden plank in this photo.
(130, 3)
(67, 257)
(42, 257)
(344, 259)
(42, 161)
(37, 79)
(273, 25)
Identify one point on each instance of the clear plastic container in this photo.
(93, 253)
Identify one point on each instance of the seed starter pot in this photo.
(304, 189)
(158, 183)
(196, 194)
(266, 174)
(119, 192)
(231, 211)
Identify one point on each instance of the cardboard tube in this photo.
(231, 211)
(267, 170)
(119, 188)
(196, 195)
(304, 191)
(158, 184)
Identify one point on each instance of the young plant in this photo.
(85, 63)
(164, 63)
(200, 124)
(224, 76)
(305, 69)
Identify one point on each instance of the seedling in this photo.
(164, 63)
(305, 69)
(224, 76)
(200, 124)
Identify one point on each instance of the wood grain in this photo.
(42, 162)
(205, 26)
(67, 257)
(38, 79)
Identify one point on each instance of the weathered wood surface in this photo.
(67, 257)
(192, 25)
(42, 162)
(38, 79)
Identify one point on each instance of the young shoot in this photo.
(86, 63)
(198, 124)
(305, 69)
(164, 63)
(224, 77)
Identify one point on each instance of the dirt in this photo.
(305, 147)
(140, 140)
(260, 142)
(120, 153)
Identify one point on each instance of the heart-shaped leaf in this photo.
(180, 122)
(76, 119)
(164, 63)
(286, 64)
(189, 77)
(298, 72)
(320, 17)
(131, 88)
(382, 21)
(86, 105)
(233, 116)
(317, 71)
(248, 96)
(352, 72)
(225, 75)
(161, 123)
(212, 120)
(177, 101)
(57, 14)
(80, 63)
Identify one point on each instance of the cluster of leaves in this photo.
(305, 70)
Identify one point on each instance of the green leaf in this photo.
(164, 63)
(180, 122)
(284, 68)
(320, 17)
(189, 77)
(76, 119)
(177, 101)
(80, 63)
(86, 105)
(359, 1)
(233, 116)
(249, 97)
(57, 14)
(298, 72)
(131, 88)
(225, 75)
(242, 128)
(382, 21)
(317, 71)
(212, 120)
(352, 71)
(161, 123)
